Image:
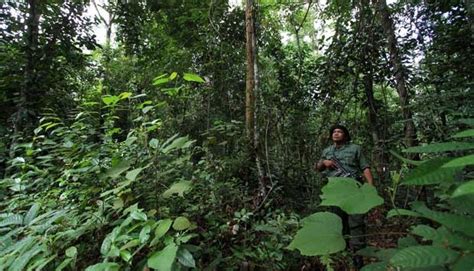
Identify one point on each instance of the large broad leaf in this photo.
(463, 197)
(466, 262)
(321, 234)
(132, 174)
(347, 195)
(193, 77)
(469, 122)
(178, 143)
(423, 256)
(23, 259)
(104, 267)
(467, 133)
(441, 147)
(110, 100)
(161, 79)
(461, 161)
(402, 212)
(408, 161)
(32, 213)
(186, 258)
(452, 221)
(178, 188)
(381, 266)
(431, 172)
(181, 223)
(118, 169)
(163, 227)
(12, 220)
(163, 260)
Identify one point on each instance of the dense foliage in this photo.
(134, 155)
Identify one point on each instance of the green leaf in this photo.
(130, 140)
(467, 133)
(104, 267)
(347, 195)
(163, 260)
(408, 161)
(464, 189)
(71, 252)
(381, 266)
(186, 258)
(423, 256)
(427, 232)
(132, 174)
(181, 223)
(469, 122)
(400, 212)
(431, 172)
(110, 100)
(118, 169)
(106, 244)
(138, 215)
(461, 161)
(153, 143)
(173, 75)
(160, 79)
(178, 188)
(178, 143)
(23, 259)
(144, 234)
(407, 241)
(463, 197)
(32, 213)
(125, 255)
(466, 262)
(12, 220)
(163, 227)
(193, 77)
(441, 147)
(321, 234)
(124, 95)
(452, 221)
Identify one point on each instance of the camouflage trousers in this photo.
(354, 226)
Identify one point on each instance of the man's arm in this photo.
(368, 176)
(324, 164)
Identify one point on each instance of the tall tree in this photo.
(399, 72)
(250, 94)
(368, 55)
(28, 91)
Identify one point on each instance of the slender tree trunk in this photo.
(250, 98)
(251, 72)
(367, 55)
(26, 106)
(400, 76)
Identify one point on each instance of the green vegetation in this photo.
(165, 149)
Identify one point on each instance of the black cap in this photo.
(347, 136)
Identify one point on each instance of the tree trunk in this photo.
(26, 106)
(251, 71)
(400, 76)
(367, 55)
(250, 99)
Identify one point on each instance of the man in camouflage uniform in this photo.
(344, 159)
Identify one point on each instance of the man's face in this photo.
(338, 135)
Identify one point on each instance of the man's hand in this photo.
(325, 164)
(329, 164)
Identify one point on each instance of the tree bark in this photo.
(400, 76)
(367, 55)
(27, 103)
(250, 99)
(251, 71)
